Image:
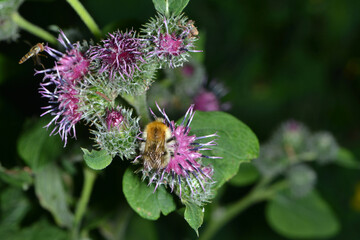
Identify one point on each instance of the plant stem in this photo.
(140, 105)
(85, 17)
(223, 215)
(89, 179)
(31, 28)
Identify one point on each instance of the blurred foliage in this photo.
(279, 59)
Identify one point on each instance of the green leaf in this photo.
(36, 147)
(50, 191)
(236, 143)
(307, 217)
(16, 177)
(41, 230)
(142, 198)
(194, 215)
(170, 7)
(345, 158)
(97, 160)
(14, 206)
(246, 175)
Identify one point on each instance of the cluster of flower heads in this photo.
(169, 41)
(59, 86)
(289, 150)
(86, 81)
(184, 171)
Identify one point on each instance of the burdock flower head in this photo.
(63, 106)
(172, 157)
(116, 132)
(170, 40)
(72, 65)
(208, 98)
(59, 86)
(119, 54)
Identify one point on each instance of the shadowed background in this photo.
(279, 59)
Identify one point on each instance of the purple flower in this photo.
(184, 171)
(120, 53)
(170, 40)
(208, 98)
(114, 118)
(206, 101)
(72, 65)
(60, 87)
(63, 106)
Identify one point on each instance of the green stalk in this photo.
(33, 29)
(89, 179)
(140, 105)
(85, 17)
(223, 215)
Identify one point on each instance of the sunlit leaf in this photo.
(97, 160)
(194, 215)
(236, 142)
(142, 198)
(308, 217)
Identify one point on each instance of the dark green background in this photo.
(281, 60)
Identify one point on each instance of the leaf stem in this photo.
(85, 17)
(89, 179)
(140, 105)
(222, 215)
(32, 28)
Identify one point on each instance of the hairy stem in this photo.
(33, 29)
(223, 215)
(89, 179)
(140, 105)
(85, 17)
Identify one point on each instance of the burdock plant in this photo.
(103, 86)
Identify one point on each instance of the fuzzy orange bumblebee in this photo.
(157, 145)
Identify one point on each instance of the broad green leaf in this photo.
(97, 160)
(36, 147)
(40, 230)
(142, 198)
(236, 143)
(170, 7)
(246, 175)
(16, 177)
(50, 191)
(346, 159)
(14, 206)
(194, 215)
(308, 217)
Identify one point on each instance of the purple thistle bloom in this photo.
(170, 40)
(120, 53)
(184, 166)
(63, 105)
(60, 87)
(114, 118)
(208, 98)
(206, 101)
(72, 66)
